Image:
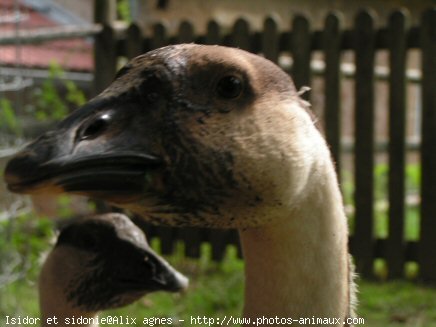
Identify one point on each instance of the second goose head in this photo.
(99, 263)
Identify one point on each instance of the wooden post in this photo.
(364, 46)
(427, 243)
(105, 58)
(241, 35)
(159, 37)
(397, 44)
(270, 40)
(167, 237)
(134, 41)
(301, 52)
(192, 238)
(105, 11)
(332, 114)
(186, 33)
(213, 35)
(219, 239)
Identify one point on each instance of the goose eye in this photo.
(229, 87)
(96, 127)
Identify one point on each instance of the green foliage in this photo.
(381, 172)
(49, 104)
(8, 119)
(74, 95)
(123, 7)
(64, 206)
(347, 187)
(413, 178)
(24, 238)
(22, 241)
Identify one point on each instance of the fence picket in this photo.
(240, 37)
(134, 41)
(332, 113)
(270, 40)
(167, 237)
(301, 53)
(427, 258)
(186, 33)
(364, 143)
(192, 239)
(213, 33)
(159, 37)
(218, 239)
(397, 38)
(105, 58)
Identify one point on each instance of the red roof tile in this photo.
(73, 54)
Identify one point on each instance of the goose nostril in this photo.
(95, 128)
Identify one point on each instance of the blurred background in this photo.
(371, 69)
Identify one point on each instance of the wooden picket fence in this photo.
(364, 39)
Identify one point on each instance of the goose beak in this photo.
(173, 282)
(23, 172)
(108, 164)
(177, 282)
(91, 174)
(156, 274)
(166, 278)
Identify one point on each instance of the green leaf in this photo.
(8, 118)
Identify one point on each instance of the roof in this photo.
(71, 55)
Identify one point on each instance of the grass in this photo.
(397, 304)
(216, 291)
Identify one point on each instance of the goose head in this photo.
(103, 262)
(184, 135)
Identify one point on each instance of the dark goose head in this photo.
(104, 262)
(186, 134)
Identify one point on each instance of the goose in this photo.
(211, 136)
(99, 263)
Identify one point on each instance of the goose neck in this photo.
(298, 266)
